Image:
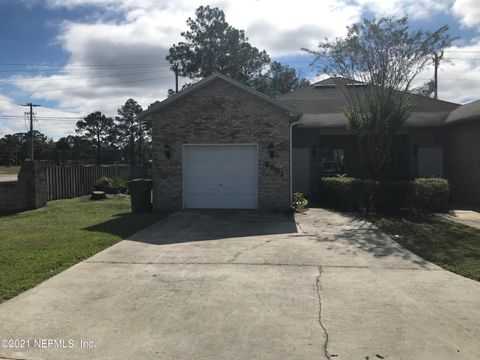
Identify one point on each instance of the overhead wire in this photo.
(14, 81)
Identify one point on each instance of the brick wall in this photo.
(221, 113)
(28, 192)
(462, 162)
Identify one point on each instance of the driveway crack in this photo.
(320, 321)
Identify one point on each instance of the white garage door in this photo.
(220, 176)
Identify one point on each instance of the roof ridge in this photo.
(207, 80)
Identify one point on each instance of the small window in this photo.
(332, 161)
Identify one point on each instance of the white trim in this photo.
(218, 144)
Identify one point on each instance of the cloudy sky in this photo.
(78, 56)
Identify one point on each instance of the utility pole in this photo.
(175, 71)
(436, 63)
(31, 106)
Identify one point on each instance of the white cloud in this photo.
(308, 23)
(146, 29)
(146, 32)
(468, 11)
(415, 9)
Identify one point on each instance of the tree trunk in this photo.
(132, 150)
(98, 150)
(140, 150)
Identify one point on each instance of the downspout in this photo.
(291, 153)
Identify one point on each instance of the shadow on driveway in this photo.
(126, 224)
(200, 225)
(350, 234)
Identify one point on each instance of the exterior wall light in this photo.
(167, 151)
(271, 150)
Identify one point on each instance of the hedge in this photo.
(353, 194)
(432, 195)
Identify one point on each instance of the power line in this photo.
(87, 65)
(14, 81)
(78, 70)
(18, 117)
(462, 51)
(99, 86)
(453, 58)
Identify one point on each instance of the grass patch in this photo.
(454, 247)
(9, 170)
(37, 244)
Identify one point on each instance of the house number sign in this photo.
(273, 168)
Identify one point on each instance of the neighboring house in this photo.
(220, 144)
(462, 150)
(323, 145)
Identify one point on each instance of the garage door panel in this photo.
(220, 176)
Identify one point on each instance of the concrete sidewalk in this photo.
(244, 285)
(466, 217)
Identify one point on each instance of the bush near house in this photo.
(346, 193)
(340, 193)
(353, 194)
(432, 195)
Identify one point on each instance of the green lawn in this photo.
(452, 246)
(35, 245)
(9, 170)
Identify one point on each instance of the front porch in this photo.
(321, 151)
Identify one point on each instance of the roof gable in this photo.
(157, 107)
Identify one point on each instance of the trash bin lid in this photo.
(140, 180)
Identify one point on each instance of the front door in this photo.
(301, 170)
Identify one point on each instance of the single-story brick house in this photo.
(220, 144)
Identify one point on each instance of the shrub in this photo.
(351, 194)
(120, 184)
(111, 186)
(104, 184)
(345, 193)
(299, 203)
(431, 195)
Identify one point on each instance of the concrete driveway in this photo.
(242, 285)
(8, 177)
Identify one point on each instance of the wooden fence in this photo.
(68, 181)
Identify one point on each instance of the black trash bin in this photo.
(140, 195)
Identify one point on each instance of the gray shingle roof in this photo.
(315, 99)
(465, 112)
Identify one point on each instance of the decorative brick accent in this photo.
(221, 113)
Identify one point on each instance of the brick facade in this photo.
(220, 112)
(462, 162)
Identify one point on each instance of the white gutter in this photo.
(291, 152)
